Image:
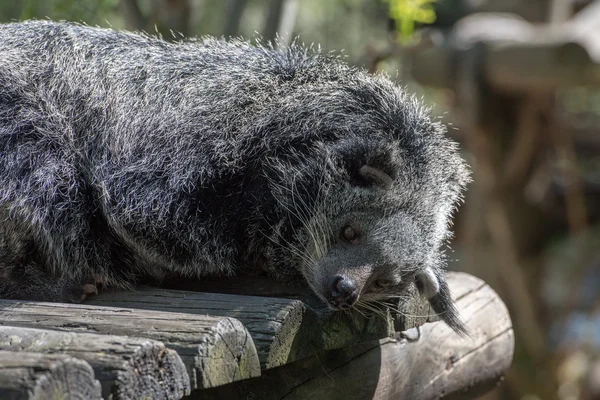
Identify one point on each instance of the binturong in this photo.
(125, 157)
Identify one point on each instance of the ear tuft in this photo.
(437, 292)
(375, 176)
(427, 283)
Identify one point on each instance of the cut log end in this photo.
(126, 367)
(215, 350)
(282, 343)
(41, 376)
(154, 372)
(227, 355)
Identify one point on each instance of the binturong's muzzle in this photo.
(342, 292)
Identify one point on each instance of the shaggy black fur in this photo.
(124, 156)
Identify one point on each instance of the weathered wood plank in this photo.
(283, 329)
(272, 322)
(414, 312)
(437, 363)
(36, 376)
(338, 330)
(215, 350)
(126, 367)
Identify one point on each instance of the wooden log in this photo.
(435, 363)
(37, 376)
(517, 56)
(334, 326)
(413, 312)
(272, 322)
(283, 330)
(585, 29)
(215, 350)
(127, 368)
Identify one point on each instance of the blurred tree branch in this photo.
(165, 16)
(272, 21)
(133, 15)
(281, 20)
(233, 17)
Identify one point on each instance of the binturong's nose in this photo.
(342, 292)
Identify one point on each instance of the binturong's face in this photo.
(369, 256)
(375, 244)
(370, 229)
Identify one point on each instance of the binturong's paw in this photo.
(90, 287)
(36, 285)
(88, 290)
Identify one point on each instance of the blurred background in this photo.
(514, 81)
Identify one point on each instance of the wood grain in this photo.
(126, 367)
(215, 350)
(283, 329)
(272, 322)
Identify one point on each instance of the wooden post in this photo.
(126, 367)
(34, 376)
(215, 350)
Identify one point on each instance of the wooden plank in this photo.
(437, 363)
(127, 368)
(272, 322)
(283, 330)
(215, 350)
(36, 376)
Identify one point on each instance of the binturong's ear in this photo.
(434, 287)
(368, 164)
(375, 176)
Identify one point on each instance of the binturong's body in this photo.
(124, 156)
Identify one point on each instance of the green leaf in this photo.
(408, 12)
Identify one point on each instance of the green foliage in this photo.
(89, 11)
(408, 12)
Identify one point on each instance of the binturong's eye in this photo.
(349, 234)
(382, 283)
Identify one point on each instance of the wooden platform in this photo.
(273, 344)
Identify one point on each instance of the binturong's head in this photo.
(365, 198)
